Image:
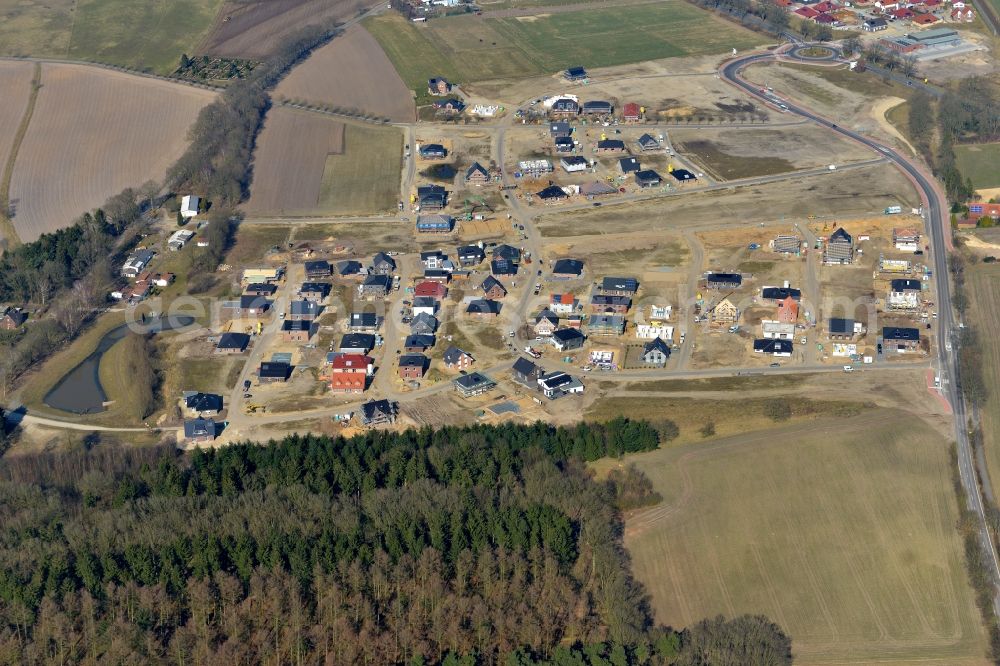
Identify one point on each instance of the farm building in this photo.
(473, 384)
(189, 206)
(839, 248)
(773, 347)
(435, 224)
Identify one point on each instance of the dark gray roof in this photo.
(552, 192)
(507, 252)
(255, 302)
(905, 284)
(382, 259)
(453, 354)
(780, 293)
(376, 408)
(364, 341)
(296, 325)
(628, 164)
(840, 326)
(841, 236)
(896, 333)
(303, 308)
(315, 287)
(413, 361)
(200, 428)
(524, 366)
(383, 281)
(318, 266)
(648, 140)
(490, 282)
(348, 267)
(476, 167)
(567, 334)
(656, 344)
(725, 278)
(422, 340)
(471, 250)
(610, 299)
(474, 380)
(364, 319)
(273, 369)
(261, 288)
(772, 346)
(483, 306)
(647, 176)
(233, 341)
(611, 144)
(203, 402)
(560, 128)
(620, 284)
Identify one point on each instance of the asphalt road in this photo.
(937, 223)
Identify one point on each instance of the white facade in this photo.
(651, 331)
(572, 166)
(189, 206)
(179, 239)
(908, 243)
(844, 349)
(776, 330)
(660, 312)
(904, 300)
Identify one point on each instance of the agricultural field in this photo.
(983, 285)
(981, 163)
(255, 28)
(840, 530)
(15, 82)
(143, 35)
(794, 199)
(469, 48)
(365, 178)
(745, 153)
(288, 163)
(351, 72)
(123, 131)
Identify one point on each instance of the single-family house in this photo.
(432, 197)
(349, 268)
(232, 343)
(438, 86)
(412, 366)
(364, 322)
(565, 107)
(473, 384)
(546, 322)
(418, 342)
(423, 323)
(189, 206)
(202, 404)
(655, 353)
(451, 106)
(433, 151)
(260, 289)
(382, 264)
(378, 413)
(606, 325)
(525, 372)
(567, 339)
(876, 24)
(904, 294)
(787, 244)
(647, 178)
(552, 194)
(456, 359)
(631, 112)
(200, 430)
(609, 304)
(303, 310)
(900, 339)
(314, 291)
(179, 239)
(12, 318)
(318, 269)
(564, 269)
(349, 373)
(269, 372)
(619, 286)
(574, 163)
(773, 347)
(430, 289)
(557, 384)
(356, 343)
(610, 146)
(375, 286)
(563, 144)
(776, 294)
(471, 255)
(563, 303)
(683, 176)
(560, 128)
(654, 330)
(598, 107)
(435, 224)
(628, 165)
(839, 248)
(481, 308)
(648, 143)
(136, 263)
(441, 275)
(477, 175)
(907, 240)
(424, 305)
(788, 310)
(575, 74)
(724, 281)
(839, 328)
(725, 312)
(492, 288)
(297, 330)
(776, 329)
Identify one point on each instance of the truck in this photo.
(893, 210)
(532, 352)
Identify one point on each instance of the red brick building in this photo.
(349, 373)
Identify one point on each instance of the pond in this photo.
(80, 390)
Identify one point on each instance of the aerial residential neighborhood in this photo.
(458, 332)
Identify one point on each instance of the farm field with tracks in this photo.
(984, 289)
(288, 164)
(15, 82)
(365, 177)
(469, 48)
(123, 131)
(840, 530)
(351, 72)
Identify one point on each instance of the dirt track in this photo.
(352, 71)
(15, 84)
(289, 160)
(95, 132)
(256, 29)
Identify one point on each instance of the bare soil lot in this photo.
(288, 164)
(122, 131)
(744, 153)
(832, 196)
(255, 29)
(351, 72)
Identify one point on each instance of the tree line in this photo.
(477, 544)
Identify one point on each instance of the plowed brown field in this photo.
(289, 161)
(95, 132)
(255, 29)
(352, 71)
(15, 88)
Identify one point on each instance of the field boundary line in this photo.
(7, 228)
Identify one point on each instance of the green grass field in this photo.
(983, 285)
(364, 179)
(142, 35)
(841, 531)
(470, 48)
(980, 162)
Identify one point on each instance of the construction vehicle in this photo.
(252, 408)
(474, 203)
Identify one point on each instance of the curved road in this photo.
(938, 228)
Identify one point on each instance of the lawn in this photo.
(142, 35)
(841, 531)
(365, 178)
(980, 162)
(470, 48)
(725, 166)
